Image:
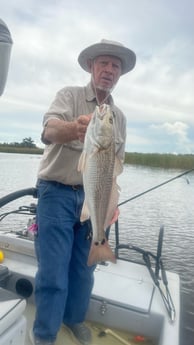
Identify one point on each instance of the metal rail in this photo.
(18, 194)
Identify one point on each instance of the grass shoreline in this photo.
(160, 160)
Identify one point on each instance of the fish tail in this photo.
(100, 252)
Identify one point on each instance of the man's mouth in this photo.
(107, 79)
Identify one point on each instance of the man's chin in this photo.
(104, 88)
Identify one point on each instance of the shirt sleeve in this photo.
(61, 108)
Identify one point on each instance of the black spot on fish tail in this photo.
(100, 251)
(97, 243)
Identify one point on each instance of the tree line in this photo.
(26, 143)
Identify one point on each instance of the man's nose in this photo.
(109, 68)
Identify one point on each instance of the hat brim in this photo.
(127, 56)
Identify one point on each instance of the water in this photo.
(171, 205)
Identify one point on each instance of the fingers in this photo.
(82, 124)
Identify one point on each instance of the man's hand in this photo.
(82, 124)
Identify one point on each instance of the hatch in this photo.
(124, 284)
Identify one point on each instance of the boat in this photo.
(133, 301)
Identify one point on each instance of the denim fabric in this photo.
(63, 281)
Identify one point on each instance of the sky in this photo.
(156, 96)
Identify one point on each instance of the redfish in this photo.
(100, 167)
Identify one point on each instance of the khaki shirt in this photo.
(59, 162)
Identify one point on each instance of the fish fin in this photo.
(113, 203)
(85, 156)
(114, 196)
(100, 252)
(115, 217)
(82, 162)
(118, 167)
(85, 214)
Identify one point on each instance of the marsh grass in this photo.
(25, 150)
(165, 160)
(168, 161)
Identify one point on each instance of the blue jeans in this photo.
(63, 281)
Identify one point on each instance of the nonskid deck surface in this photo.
(100, 334)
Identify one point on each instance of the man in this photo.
(5, 50)
(64, 281)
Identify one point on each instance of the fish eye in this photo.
(111, 120)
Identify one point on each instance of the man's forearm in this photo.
(59, 132)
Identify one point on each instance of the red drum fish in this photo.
(100, 167)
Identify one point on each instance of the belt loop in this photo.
(76, 186)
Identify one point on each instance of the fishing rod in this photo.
(155, 187)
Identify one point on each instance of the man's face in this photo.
(106, 71)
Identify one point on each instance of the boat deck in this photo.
(131, 304)
(100, 334)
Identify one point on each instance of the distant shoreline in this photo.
(25, 150)
(160, 160)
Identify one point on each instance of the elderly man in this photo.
(64, 281)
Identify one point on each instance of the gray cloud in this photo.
(48, 37)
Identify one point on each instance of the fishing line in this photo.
(155, 187)
(101, 89)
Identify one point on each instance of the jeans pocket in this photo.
(43, 187)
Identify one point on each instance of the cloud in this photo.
(48, 36)
(179, 132)
(155, 91)
(178, 128)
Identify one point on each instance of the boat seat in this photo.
(12, 321)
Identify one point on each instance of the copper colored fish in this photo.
(100, 168)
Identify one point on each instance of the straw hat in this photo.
(106, 47)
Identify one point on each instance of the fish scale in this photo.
(98, 185)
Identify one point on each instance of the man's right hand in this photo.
(82, 124)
